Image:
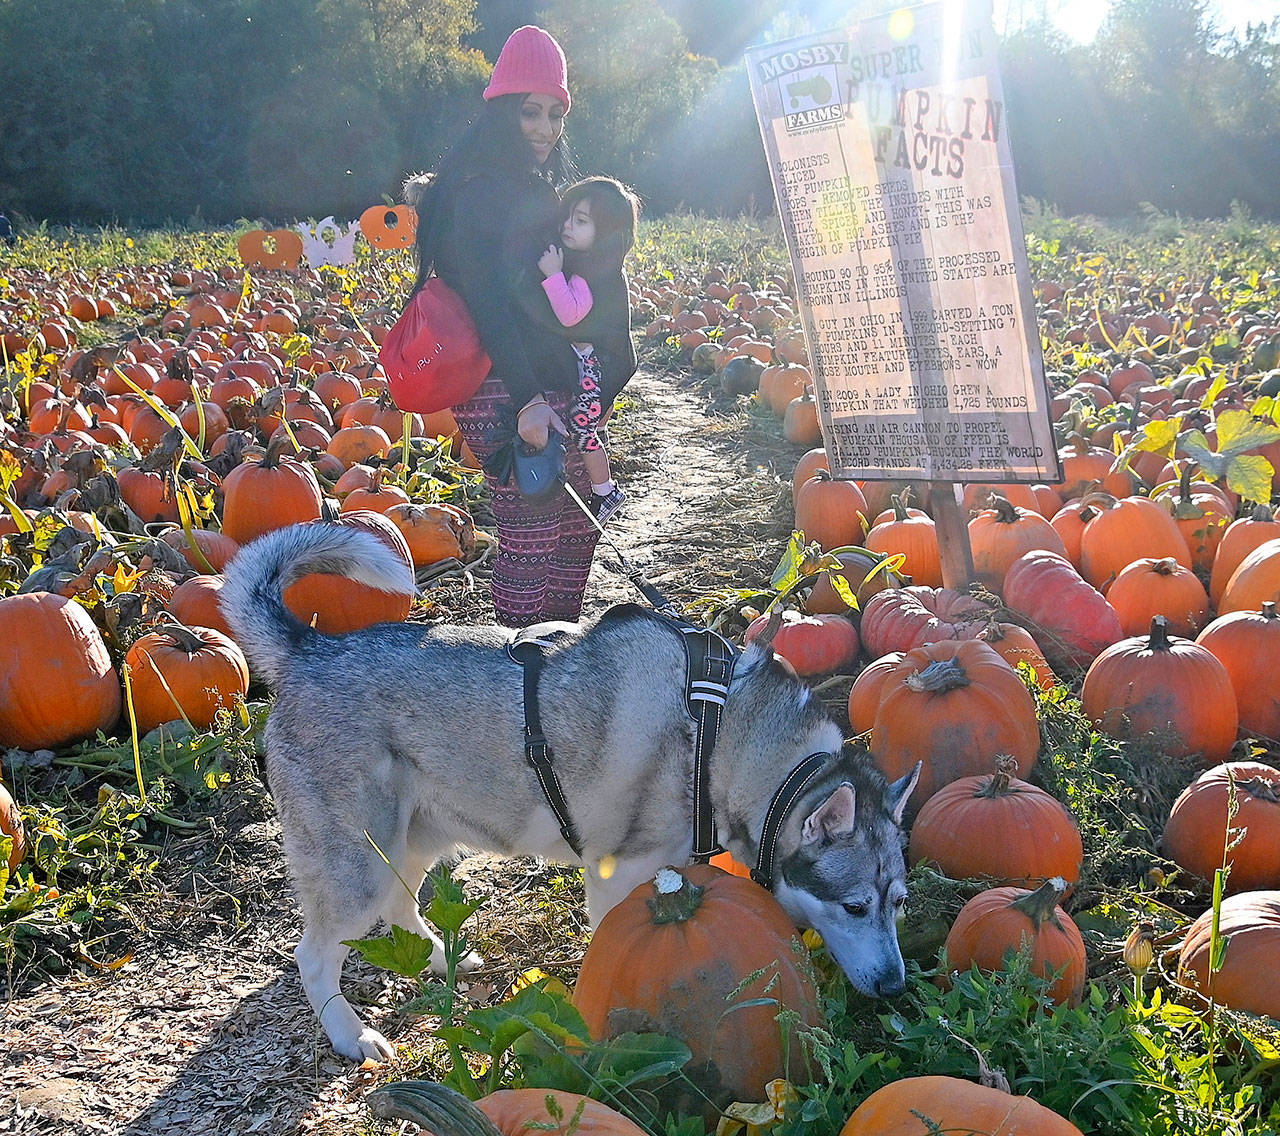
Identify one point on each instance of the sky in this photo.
(1080, 19)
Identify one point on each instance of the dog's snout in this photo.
(891, 985)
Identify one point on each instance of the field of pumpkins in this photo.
(1093, 920)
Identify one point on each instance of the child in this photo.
(598, 232)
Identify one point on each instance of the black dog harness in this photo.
(709, 661)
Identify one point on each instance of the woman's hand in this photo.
(551, 261)
(536, 421)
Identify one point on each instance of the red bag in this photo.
(432, 355)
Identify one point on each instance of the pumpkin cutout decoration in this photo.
(389, 226)
(279, 248)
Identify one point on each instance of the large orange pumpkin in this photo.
(1163, 687)
(1196, 836)
(1255, 581)
(864, 694)
(956, 706)
(57, 684)
(916, 1106)
(673, 958)
(1008, 919)
(1247, 644)
(433, 532)
(812, 644)
(1000, 828)
(336, 604)
(1124, 530)
(899, 619)
(1149, 587)
(830, 511)
(196, 669)
(508, 1112)
(1001, 534)
(1250, 924)
(259, 496)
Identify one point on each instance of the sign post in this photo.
(890, 159)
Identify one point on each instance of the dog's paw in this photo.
(472, 960)
(368, 1045)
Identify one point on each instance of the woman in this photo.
(485, 216)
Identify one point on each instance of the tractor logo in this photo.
(811, 97)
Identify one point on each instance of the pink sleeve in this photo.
(570, 298)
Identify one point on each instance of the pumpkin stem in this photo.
(1159, 640)
(1262, 513)
(938, 677)
(431, 1106)
(999, 783)
(1041, 904)
(899, 502)
(675, 897)
(182, 637)
(1268, 609)
(1165, 567)
(1006, 513)
(275, 450)
(1261, 788)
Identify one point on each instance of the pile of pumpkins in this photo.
(153, 461)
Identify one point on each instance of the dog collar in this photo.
(796, 782)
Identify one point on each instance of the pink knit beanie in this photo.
(530, 63)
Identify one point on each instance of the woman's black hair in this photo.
(493, 142)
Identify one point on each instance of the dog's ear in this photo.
(900, 791)
(832, 818)
(754, 656)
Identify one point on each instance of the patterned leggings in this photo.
(584, 418)
(544, 551)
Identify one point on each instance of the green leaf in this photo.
(791, 566)
(1239, 430)
(1159, 436)
(401, 952)
(449, 915)
(631, 1058)
(1251, 475)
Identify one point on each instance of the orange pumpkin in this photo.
(336, 604)
(389, 226)
(669, 957)
(1001, 534)
(812, 644)
(1169, 689)
(277, 248)
(1149, 587)
(862, 571)
(899, 619)
(915, 1106)
(955, 705)
(909, 533)
(1016, 645)
(1246, 643)
(508, 1112)
(259, 496)
(1250, 924)
(809, 464)
(57, 684)
(1255, 582)
(192, 671)
(434, 532)
(831, 511)
(1124, 530)
(1002, 920)
(194, 603)
(1000, 828)
(800, 424)
(864, 694)
(216, 549)
(1240, 539)
(378, 496)
(1196, 836)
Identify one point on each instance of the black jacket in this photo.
(492, 226)
(607, 327)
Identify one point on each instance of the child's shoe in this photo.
(604, 505)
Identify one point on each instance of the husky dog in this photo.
(410, 738)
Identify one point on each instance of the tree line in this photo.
(148, 111)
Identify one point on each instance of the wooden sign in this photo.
(889, 150)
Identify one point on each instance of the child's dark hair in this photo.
(615, 209)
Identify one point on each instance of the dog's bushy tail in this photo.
(252, 598)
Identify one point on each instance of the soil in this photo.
(202, 1026)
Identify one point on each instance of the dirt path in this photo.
(205, 1028)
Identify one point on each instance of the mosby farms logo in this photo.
(808, 83)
